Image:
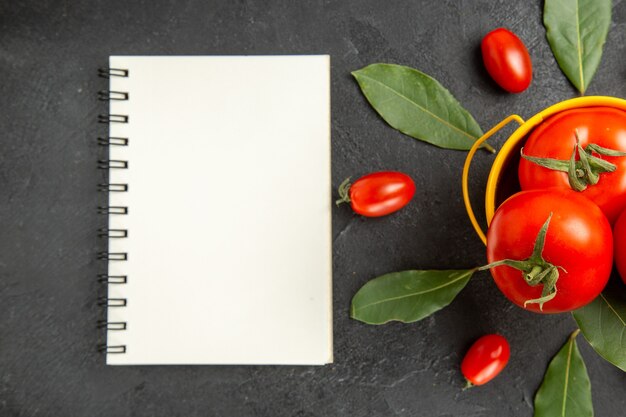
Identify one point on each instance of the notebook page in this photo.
(229, 204)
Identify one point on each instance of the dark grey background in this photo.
(49, 55)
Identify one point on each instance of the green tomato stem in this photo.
(583, 168)
(344, 192)
(536, 269)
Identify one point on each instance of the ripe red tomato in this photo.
(619, 240)
(578, 242)
(507, 60)
(556, 137)
(378, 194)
(485, 359)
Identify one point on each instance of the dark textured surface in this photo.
(49, 54)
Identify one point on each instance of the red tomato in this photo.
(578, 242)
(556, 137)
(619, 240)
(485, 359)
(507, 60)
(378, 194)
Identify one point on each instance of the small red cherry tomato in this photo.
(377, 194)
(619, 245)
(507, 60)
(485, 359)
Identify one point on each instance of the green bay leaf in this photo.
(576, 31)
(407, 296)
(603, 324)
(566, 389)
(418, 106)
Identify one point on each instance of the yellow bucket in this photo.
(503, 172)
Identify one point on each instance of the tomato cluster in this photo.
(551, 247)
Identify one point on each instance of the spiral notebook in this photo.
(219, 227)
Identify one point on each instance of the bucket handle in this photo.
(466, 166)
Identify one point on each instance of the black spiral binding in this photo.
(105, 232)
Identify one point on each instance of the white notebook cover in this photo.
(229, 210)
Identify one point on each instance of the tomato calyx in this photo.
(344, 192)
(536, 270)
(584, 170)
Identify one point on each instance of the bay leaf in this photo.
(418, 106)
(576, 31)
(407, 296)
(603, 324)
(566, 389)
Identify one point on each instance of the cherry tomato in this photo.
(485, 359)
(578, 243)
(556, 138)
(507, 60)
(619, 239)
(378, 194)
